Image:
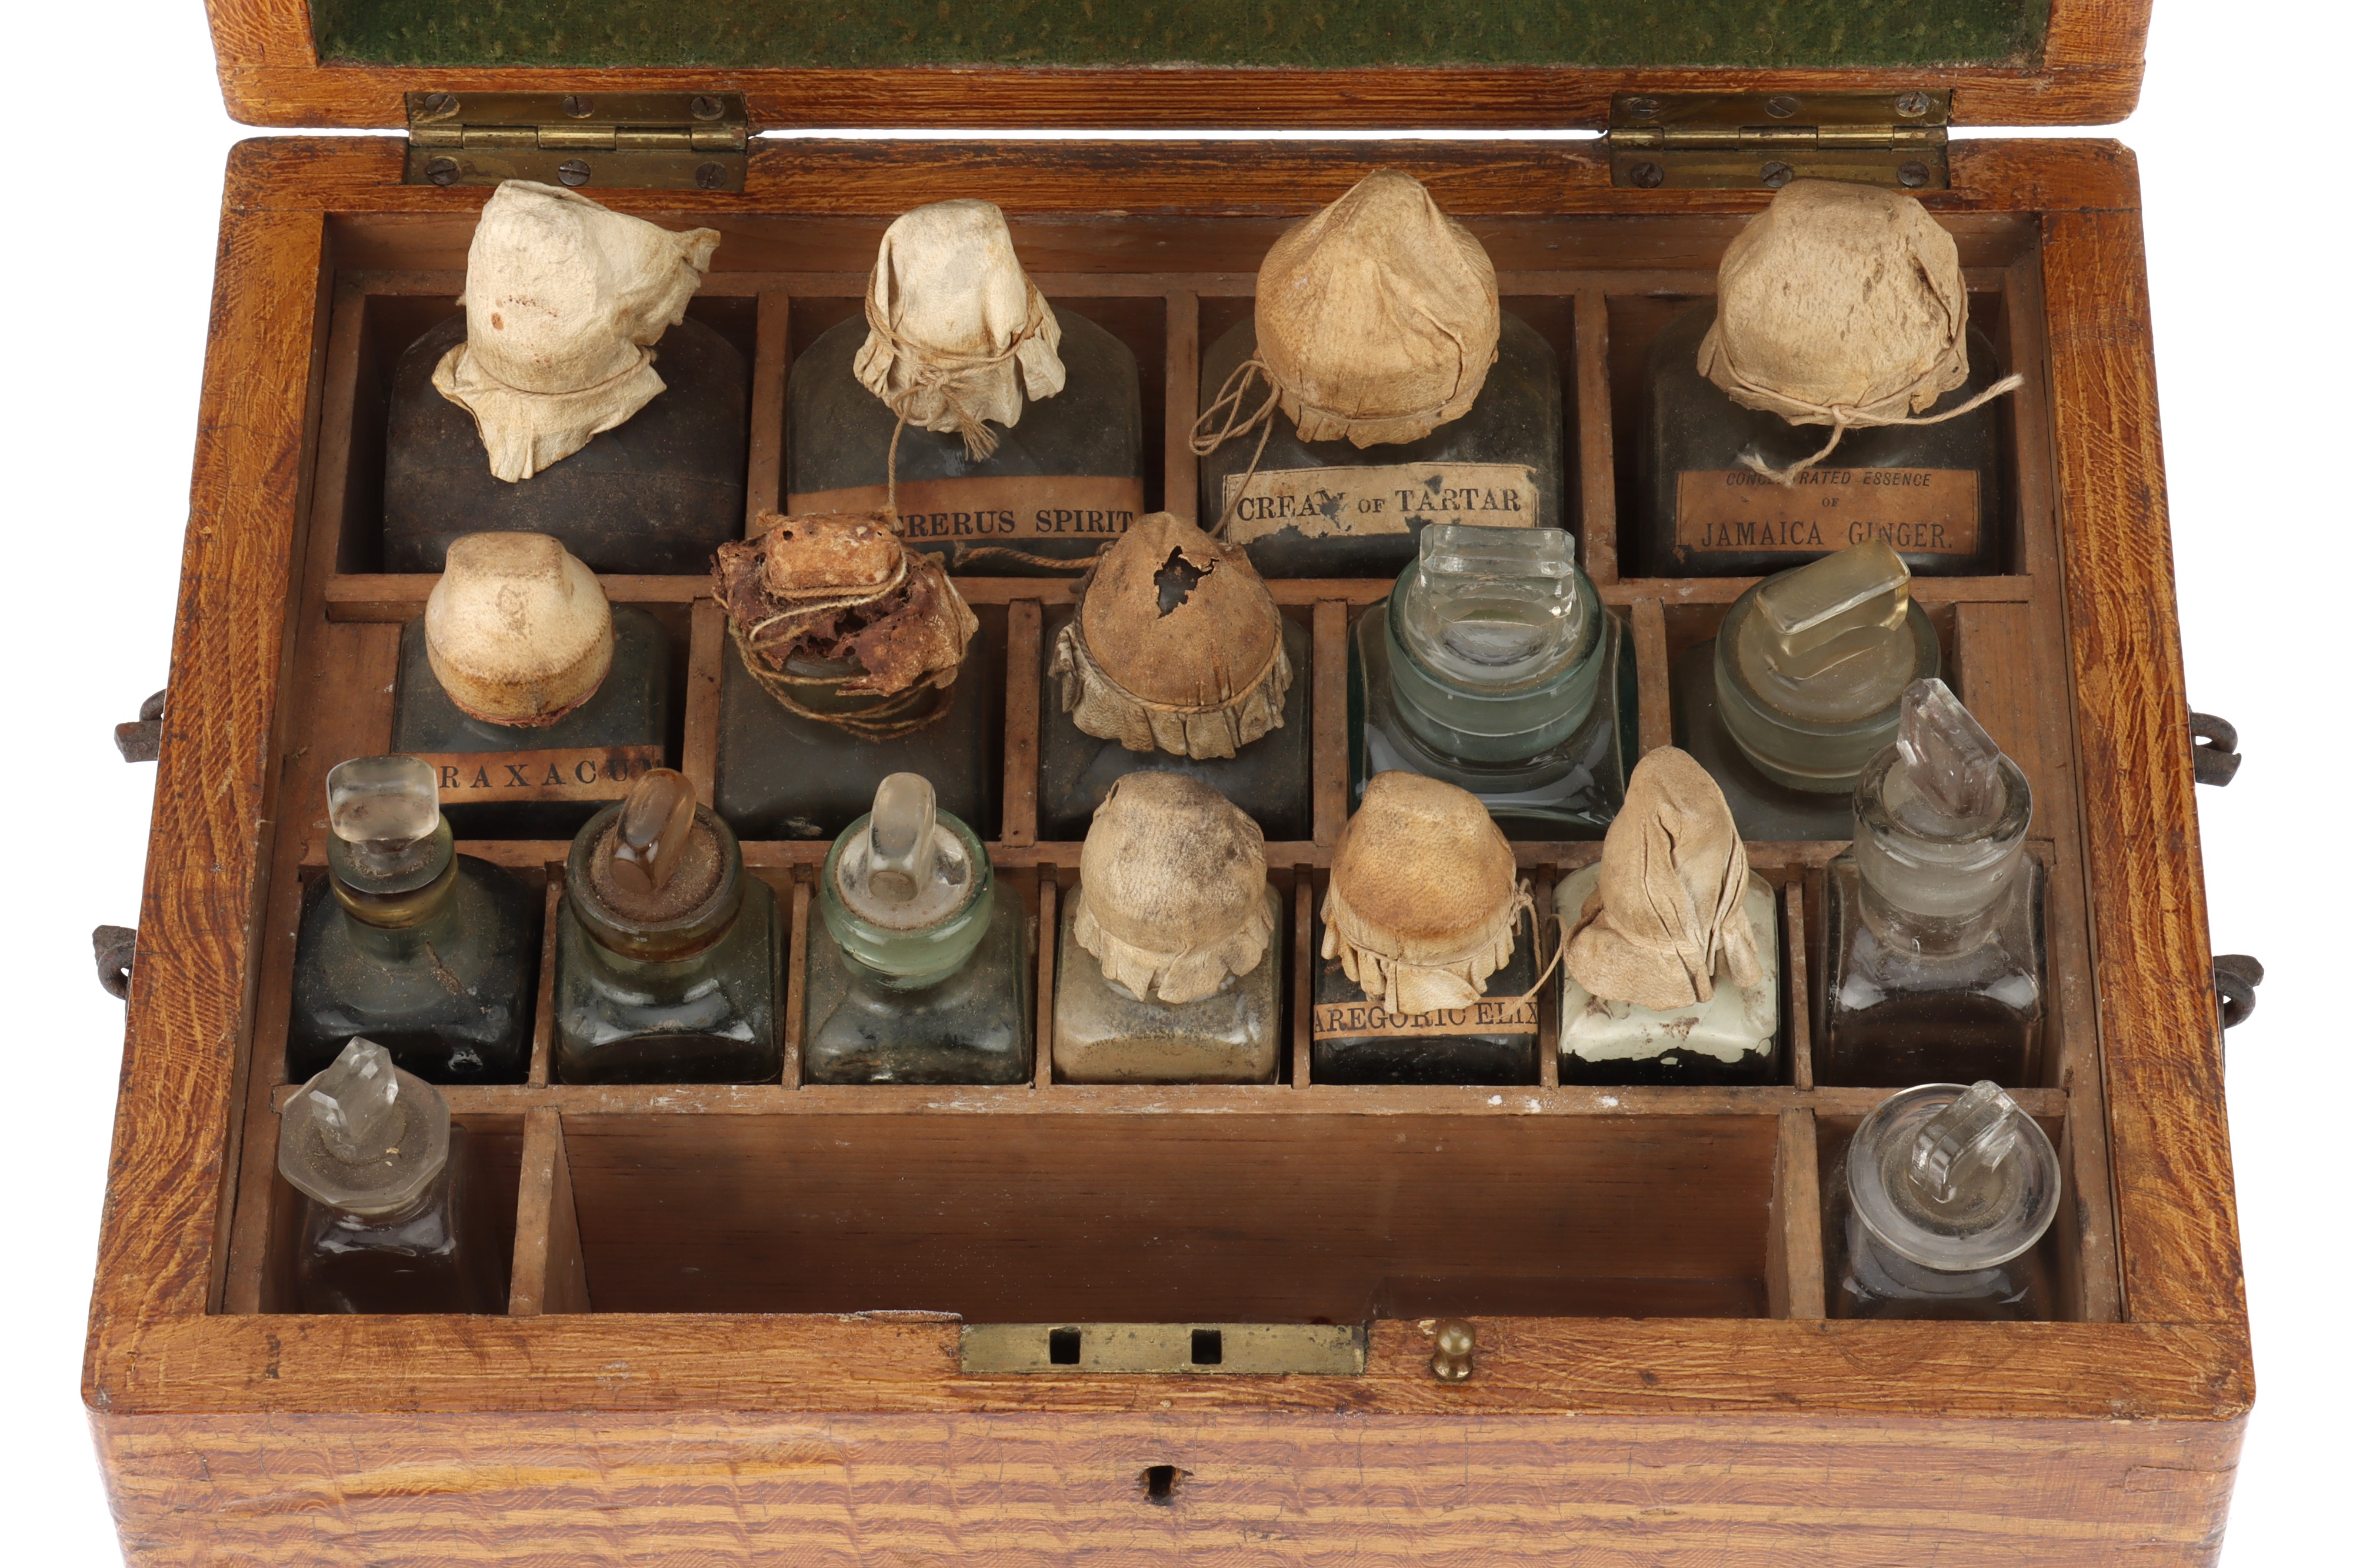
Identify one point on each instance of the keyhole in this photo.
(1159, 1483)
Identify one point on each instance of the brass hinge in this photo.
(1742, 141)
(634, 140)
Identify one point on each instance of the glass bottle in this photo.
(1651, 916)
(1937, 1206)
(1176, 653)
(1935, 492)
(1331, 509)
(533, 701)
(1800, 687)
(1424, 979)
(667, 953)
(1934, 925)
(1493, 665)
(1170, 968)
(432, 954)
(917, 972)
(390, 1221)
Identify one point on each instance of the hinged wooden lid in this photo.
(1170, 65)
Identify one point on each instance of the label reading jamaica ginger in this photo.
(1488, 1016)
(595, 772)
(1325, 502)
(1931, 512)
(994, 507)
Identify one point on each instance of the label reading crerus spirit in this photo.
(994, 507)
(1930, 511)
(598, 773)
(1323, 502)
(1488, 1016)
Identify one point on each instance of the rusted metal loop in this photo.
(2214, 749)
(115, 947)
(2236, 976)
(141, 741)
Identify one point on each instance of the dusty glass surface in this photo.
(1104, 1033)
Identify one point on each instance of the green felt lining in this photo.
(1313, 33)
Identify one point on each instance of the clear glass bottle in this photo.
(1170, 967)
(1332, 509)
(1733, 1037)
(917, 972)
(667, 953)
(1934, 924)
(390, 1221)
(432, 954)
(1800, 687)
(655, 494)
(528, 738)
(1935, 492)
(1937, 1207)
(1493, 665)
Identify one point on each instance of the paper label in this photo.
(994, 507)
(598, 773)
(1931, 512)
(1488, 1016)
(1323, 502)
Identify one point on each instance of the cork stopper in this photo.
(1666, 917)
(1178, 646)
(956, 334)
(363, 1136)
(1425, 900)
(1829, 642)
(1376, 318)
(1172, 888)
(657, 860)
(517, 631)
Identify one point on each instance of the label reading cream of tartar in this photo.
(1323, 502)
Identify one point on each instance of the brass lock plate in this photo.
(1197, 1349)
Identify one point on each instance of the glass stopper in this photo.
(355, 1103)
(1830, 640)
(1962, 1144)
(363, 1136)
(1494, 606)
(657, 822)
(383, 805)
(899, 868)
(1950, 768)
(1953, 1178)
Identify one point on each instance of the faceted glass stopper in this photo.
(1831, 641)
(657, 823)
(382, 805)
(899, 868)
(1951, 770)
(1494, 606)
(355, 1103)
(1963, 1144)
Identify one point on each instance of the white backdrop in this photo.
(109, 277)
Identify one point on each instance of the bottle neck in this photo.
(398, 925)
(1507, 719)
(435, 1196)
(1936, 890)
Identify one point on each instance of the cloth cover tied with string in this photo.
(1842, 305)
(1201, 678)
(1666, 915)
(956, 335)
(843, 588)
(565, 300)
(1425, 899)
(1172, 888)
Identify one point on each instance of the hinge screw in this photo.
(1777, 174)
(442, 171)
(572, 172)
(710, 177)
(1780, 106)
(1456, 1341)
(438, 103)
(1642, 108)
(577, 107)
(706, 107)
(1912, 102)
(1912, 175)
(1648, 176)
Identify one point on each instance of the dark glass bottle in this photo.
(529, 756)
(1937, 1209)
(917, 972)
(1795, 693)
(1733, 1037)
(1492, 1040)
(432, 954)
(1500, 464)
(655, 494)
(390, 1221)
(1493, 666)
(1935, 492)
(667, 953)
(1934, 925)
(1063, 480)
